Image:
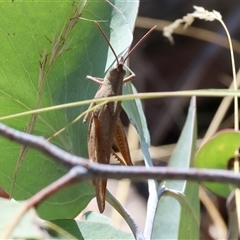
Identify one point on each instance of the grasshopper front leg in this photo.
(95, 79)
(88, 115)
(130, 77)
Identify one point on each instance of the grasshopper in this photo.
(105, 126)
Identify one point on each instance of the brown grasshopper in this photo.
(105, 126)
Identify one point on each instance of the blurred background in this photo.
(190, 63)
(198, 60)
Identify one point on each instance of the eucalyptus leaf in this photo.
(28, 228)
(91, 230)
(134, 110)
(178, 218)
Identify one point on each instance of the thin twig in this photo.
(44, 146)
(83, 169)
(95, 170)
(125, 214)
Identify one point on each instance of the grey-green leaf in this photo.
(84, 230)
(179, 219)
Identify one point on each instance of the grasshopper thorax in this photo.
(118, 72)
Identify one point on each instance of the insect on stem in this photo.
(105, 127)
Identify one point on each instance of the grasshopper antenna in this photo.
(138, 43)
(109, 44)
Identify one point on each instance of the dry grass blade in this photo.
(194, 32)
(213, 212)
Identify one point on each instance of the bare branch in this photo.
(42, 145)
(83, 169)
(126, 215)
(95, 170)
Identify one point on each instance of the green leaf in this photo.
(32, 77)
(178, 218)
(218, 153)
